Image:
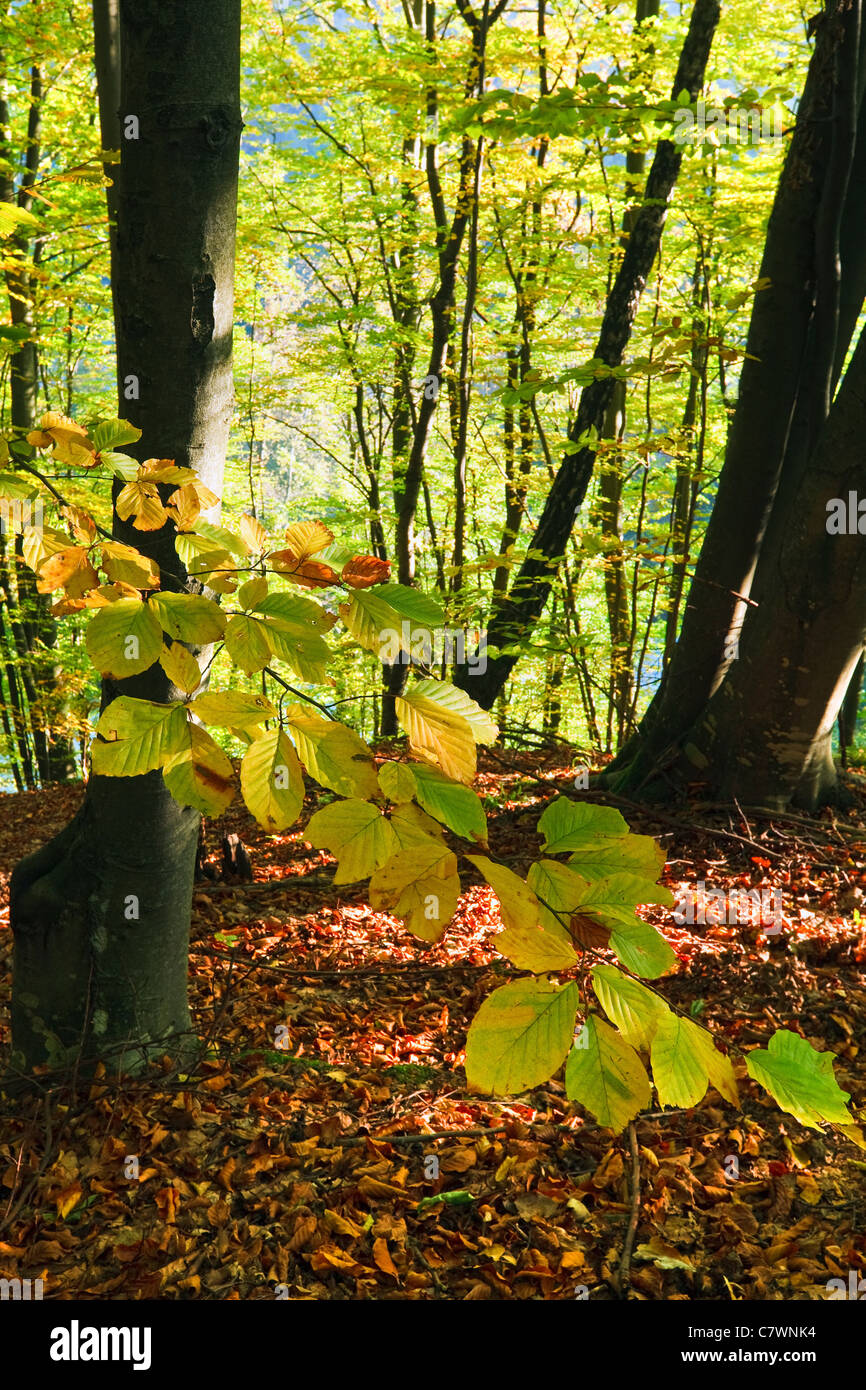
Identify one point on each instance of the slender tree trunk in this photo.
(101, 914)
(514, 619)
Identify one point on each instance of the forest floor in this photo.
(342, 1158)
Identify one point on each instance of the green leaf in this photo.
(221, 536)
(333, 754)
(201, 775)
(189, 617)
(559, 891)
(605, 1075)
(800, 1079)
(685, 1060)
(14, 487)
(232, 709)
(412, 604)
(300, 646)
(520, 1036)
(141, 736)
(397, 782)
(292, 608)
(610, 902)
(640, 855)
(121, 465)
(247, 643)
(356, 833)
(528, 944)
(642, 949)
(272, 783)
(634, 1009)
(124, 638)
(572, 825)
(109, 434)
(370, 620)
(199, 555)
(450, 802)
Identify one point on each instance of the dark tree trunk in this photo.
(799, 334)
(101, 914)
(765, 735)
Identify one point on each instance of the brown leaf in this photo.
(306, 1226)
(310, 574)
(364, 570)
(588, 933)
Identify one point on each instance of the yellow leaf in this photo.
(127, 565)
(444, 725)
(254, 534)
(141, 501)
(419, 885)
(307, 538)
(124, 638)
(272, 782)
(181, 667)
(527, 942)
(201, 776)
(356, 833)
(68, 1199)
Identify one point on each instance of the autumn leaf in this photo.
(364, 570)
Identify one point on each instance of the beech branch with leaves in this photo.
(570, 1008)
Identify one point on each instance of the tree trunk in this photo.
(765, 735)
(514, 619)
(773, 425)
(101, 915)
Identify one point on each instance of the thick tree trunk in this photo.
(101, 915)
(774, 426)
(765, 735)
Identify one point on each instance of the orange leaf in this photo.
(364, 570)
(382, 1257)
(67, 1199)
(310, 574)
(167, 1200)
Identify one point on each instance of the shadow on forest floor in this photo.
(308, 1165)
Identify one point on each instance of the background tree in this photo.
(100, 939)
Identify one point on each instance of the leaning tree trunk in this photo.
(101, 914)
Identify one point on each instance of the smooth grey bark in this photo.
(101, 915)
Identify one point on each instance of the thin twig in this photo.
(625, 1263)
